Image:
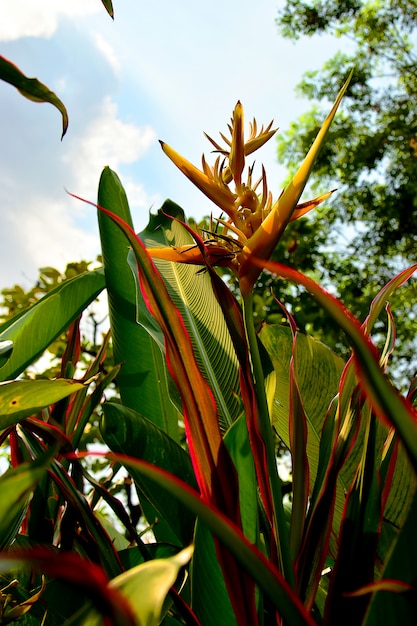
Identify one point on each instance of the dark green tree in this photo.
(369, 229)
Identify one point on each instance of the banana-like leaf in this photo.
(318, 374)
(387, 403)
(191, 290)
(32, 89)
(34, 329)
(143, 379)
(23, 398)
(127, 432)
(201, 418)
(319, 369)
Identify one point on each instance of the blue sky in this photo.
(162, 70)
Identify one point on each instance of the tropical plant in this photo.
(204, 399)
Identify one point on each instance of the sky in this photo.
(161, 70)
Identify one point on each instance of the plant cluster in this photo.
(216, 536)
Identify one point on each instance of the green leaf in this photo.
(386, 401)
(213, 467)
(32, 89)
(210, 598)
(6, 348)
(398, 608)
(16, 487)
(238, 445)
(147, 585)
(127, 432)
(318, 375)
(192, 292)
(142, 380)
(200, 412)
(109, 7)
(23, 398)
(34, 329)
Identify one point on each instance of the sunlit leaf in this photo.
(192, 292)
(35, 328)
(147, 585)
(145, 588)
(318, 373)
(386, 401)
(205, 442)
(22, 398)
(142, 380)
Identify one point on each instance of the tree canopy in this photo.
(369, 230)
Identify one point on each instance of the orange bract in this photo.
(254, 222)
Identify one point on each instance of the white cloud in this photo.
(107, 141)
(23, 18)
(138, 197)
(108, 52)
(43, 235)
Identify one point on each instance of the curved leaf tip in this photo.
(32, 89)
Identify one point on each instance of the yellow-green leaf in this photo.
(146, 587)
(23, 398)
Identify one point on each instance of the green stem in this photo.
(266, 432)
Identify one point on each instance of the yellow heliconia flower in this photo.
(254, 222)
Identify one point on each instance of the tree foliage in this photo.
(371, 154)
